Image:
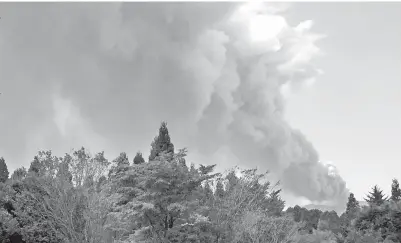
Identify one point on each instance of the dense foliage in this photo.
(85, 198)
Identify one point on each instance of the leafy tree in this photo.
(161, 143)
(49, 162)
(219, 192)
(329, 221)
(395, 191)
(121, 160)
(383, 220)
(19, 174)
(79, 166)
(192, 169)
(256, 226)
(3, 170)
(70, 199)
(183, 163)
(312, 220)
(83, 166)
(99, 166)
(63, 172)
(138, 159)
(120, 164)
(232, 181)
(157, 196)
(36, 166)
(251, 193)
(299, 213)
(51, 209)
(207, 194)
(44, 163)
(317, 236)
(376, 196)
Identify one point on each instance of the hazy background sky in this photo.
(352, 114)
(105, 75)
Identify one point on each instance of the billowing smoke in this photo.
(219, 74)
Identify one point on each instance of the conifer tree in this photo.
(352, 204)
(138, 158)
(161, 143)
(395, 191)
(3, 170)
(376, 196)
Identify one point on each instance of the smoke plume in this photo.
(219, 73)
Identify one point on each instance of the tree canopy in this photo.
(82, 197)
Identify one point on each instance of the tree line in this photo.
(82, 197)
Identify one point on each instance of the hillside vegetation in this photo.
(86, 198)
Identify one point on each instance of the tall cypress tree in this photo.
(161, 143)
(3, 170)
(376, 196)
(395, 191)
(352, 204)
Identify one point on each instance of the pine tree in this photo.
(3, 170)
(395, 191)
(376, 196)
(352, 204)
(138, 159)
(161, 143)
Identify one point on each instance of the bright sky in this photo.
(353, 113)
(104, 76)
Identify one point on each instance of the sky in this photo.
(351, 114)
(308, 91)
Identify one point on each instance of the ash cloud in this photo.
(217, 72)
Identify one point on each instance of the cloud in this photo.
(111, 72)
(72, 127)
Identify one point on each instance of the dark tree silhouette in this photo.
(138, 159)
(376, 196)
(161, 143)
(3, 170)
